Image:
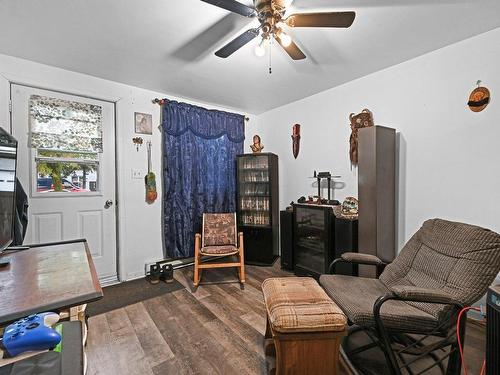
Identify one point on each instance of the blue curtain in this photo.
(199, 170)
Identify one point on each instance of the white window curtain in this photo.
(62, 125)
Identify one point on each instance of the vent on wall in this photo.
(493, 331)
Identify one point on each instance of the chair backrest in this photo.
(460, 259)
(219, 229)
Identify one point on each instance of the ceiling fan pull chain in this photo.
(270, 55)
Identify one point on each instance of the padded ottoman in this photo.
(305, 325)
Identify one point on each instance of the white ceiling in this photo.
(168, 46)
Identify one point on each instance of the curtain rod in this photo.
(163, 101)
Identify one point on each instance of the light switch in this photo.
(137, 174)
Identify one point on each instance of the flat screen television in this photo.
(8, 158)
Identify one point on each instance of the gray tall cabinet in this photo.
(377, 194)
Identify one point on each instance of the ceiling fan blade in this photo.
(233, 6)
(237, 43)
(293, 50)
(329, 19)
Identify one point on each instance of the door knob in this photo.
(108, 203)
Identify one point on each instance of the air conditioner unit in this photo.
(493, 331)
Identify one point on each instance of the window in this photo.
(66, 172)
(66, 142)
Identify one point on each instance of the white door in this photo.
(71, 193)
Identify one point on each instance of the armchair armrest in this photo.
(357, 258)
(362, 259)
(414, 293)
(410, 293)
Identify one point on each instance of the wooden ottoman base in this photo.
(306, 326)
(311, 353)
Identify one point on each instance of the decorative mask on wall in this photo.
(479, 98)
(296, 140)
(256, 146)
(361, 120)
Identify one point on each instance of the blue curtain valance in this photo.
(204, 123)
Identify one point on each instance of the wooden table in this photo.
(47, 277)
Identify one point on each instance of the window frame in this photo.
(34, 193)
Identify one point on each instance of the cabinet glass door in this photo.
(311, 239)
(254, 194)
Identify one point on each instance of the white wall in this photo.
(140, 233)
(449, 157)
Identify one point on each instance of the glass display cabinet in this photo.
(258, 211)
(313, 245)
(319, 237)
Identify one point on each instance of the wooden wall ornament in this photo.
(150, 180)
(296, 140)
(479, 98)
(359, 121)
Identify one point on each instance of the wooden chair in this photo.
(219, 238)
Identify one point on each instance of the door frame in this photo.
(6, 83)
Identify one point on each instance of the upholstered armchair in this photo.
(219, 238)
(410, 312)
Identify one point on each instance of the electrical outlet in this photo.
(137, 174)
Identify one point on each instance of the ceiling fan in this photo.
(272, 17)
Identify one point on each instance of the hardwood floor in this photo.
(216, 330)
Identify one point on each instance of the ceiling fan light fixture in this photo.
(285, 39)
(270, 16)
(260, 50)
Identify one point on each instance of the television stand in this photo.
(68, 268)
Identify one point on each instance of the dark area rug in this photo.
(128, 293)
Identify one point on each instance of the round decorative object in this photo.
(348, 209)
(479, 99)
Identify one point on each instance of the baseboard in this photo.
(109, 280)
(481, 323)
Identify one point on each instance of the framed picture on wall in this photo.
(143, 123)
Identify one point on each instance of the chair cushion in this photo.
(219, 250)
(459, 259)
(298, 304)
(357, 295)
(219, 229)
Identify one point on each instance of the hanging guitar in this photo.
(150, 180)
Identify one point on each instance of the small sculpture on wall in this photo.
(296, 140)
(359, 121)
(137, 141)
(479, 98)
(256, 147)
